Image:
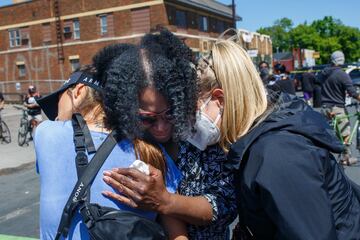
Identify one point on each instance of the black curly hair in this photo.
(161, 61)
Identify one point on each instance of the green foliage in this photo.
(325, 36)
(279, 33)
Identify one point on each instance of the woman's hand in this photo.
(148, 192)
(139, 190)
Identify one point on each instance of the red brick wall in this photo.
(42, 63)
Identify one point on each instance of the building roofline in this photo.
(15, 4)
(207, 8)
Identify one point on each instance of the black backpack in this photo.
(103, 223)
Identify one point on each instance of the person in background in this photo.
(33, 107)
(307, 85)
(282, 81)
(335, 84)
(264, 70)
(289, 185)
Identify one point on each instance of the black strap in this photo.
(84, 182)
(81, 129)
(82, 142)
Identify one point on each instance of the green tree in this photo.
(279, 33)
(326, 36)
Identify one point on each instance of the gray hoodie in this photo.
(335, 83)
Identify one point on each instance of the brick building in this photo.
(43, 41)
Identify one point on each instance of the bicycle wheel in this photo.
(5, 133)
(23, 130)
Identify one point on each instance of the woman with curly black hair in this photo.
(151, 92)
(56, 157)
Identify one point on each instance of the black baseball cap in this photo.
(49, 103)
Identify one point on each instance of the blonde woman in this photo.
(289, 185)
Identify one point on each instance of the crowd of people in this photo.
(218, 141)
(327, 91)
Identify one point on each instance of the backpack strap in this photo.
(77, 195)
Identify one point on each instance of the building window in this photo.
(46, 32)
(76, 27)
(171, 12)
(203, 24)
(22, 70)
(103, 24)
(14, 36)
(67, 33)
(220, 26)
(75, 64)
(180, 19)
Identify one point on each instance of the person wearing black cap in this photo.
(55, 154)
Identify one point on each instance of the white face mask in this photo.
(207, 132)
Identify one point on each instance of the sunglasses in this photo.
(150, 118)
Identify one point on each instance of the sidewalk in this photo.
(12, 156)
(7, 237)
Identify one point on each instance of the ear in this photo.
(79, 90)
(218, 94)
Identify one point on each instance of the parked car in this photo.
(354, 73)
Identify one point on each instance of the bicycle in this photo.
(354, 131)
(25, 129)
(5, 136)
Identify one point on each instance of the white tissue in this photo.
(141, 166)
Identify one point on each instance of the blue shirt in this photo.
(55, 154)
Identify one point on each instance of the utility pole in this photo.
(233, 13)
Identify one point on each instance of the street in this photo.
(19, 184)
(19, 203)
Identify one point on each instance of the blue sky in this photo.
(262, 13)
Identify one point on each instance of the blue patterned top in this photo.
(204, 174)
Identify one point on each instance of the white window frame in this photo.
(205, 22)
(103, 24)
(76, 29)
(14, 38)
(75, 64)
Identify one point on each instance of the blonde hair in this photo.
(244, 93)
(93, 103)
(150, 153)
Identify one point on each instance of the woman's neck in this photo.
(95, 120)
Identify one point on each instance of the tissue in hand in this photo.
(141, 166)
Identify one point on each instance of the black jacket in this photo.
(289, 185)
(307, 82)
(335, 84)
(283, 85)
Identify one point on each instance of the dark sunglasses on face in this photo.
(150, 118)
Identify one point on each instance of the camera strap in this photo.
(82, 141)
(87, 175)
